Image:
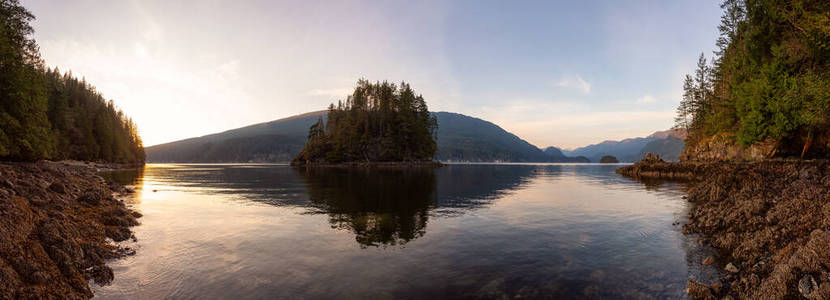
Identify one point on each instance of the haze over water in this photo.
(461, 231)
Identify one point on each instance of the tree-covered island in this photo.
(379, 122)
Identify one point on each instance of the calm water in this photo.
(462, 231)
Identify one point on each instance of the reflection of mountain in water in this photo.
(470, 186)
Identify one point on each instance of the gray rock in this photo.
(731, 268)
(807, 285)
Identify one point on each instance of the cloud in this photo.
(646, 99)
(230, 69)
(338, 93)
(575, 82)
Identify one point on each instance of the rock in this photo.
(102, 274)
(92, 197)
(57, 187)
(697, 290)
(6, 184)
(717, 288)
(709, 260)
(807, 285)
(651, 158)
(731, 268)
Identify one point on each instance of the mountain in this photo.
(678, 133)
(556, 152)
(459, 138)
(627, 150)
(668, 148)
(275, 141)
(464, 138)
(667, 143)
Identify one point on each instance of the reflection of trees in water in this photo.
(387, 206)
(391, 206)
(125, 176)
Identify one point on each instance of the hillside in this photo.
(459, 138)
(463, 138)
(626, 150)
(766, 92)
(667, 143)
(668, 148)
(275, 141)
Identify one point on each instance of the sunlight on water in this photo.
(461, 231)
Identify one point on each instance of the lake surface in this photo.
(461, 231)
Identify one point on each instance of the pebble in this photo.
(807, 285)
(708, 261)
(731, 268)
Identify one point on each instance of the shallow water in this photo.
(461, 231)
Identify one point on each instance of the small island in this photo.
(608, 159)
(380, 123)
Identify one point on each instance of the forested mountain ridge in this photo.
(281, 140)
(766, 93)
(463, 138)
(275, 141)
(46, 114)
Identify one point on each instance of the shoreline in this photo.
(60, 223)
(433, 164)
(769, 220)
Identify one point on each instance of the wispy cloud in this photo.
(646, 99)
(575, 82)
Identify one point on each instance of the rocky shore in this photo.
(769, 220)
(58, 225)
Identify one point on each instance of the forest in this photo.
(46, 114)
(378, 122)
(769, 80)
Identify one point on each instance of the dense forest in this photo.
(46, 114)
(379, 122)
(769, 81)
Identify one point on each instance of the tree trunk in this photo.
(807, 144)
(774, 149)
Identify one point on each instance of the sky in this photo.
(555, 73)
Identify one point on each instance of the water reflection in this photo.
(461, 231)
(380, 206)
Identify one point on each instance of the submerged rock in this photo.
(697, 290)
(708, 261)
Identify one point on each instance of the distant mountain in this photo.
(676, 133)
(668, 148)
(464, 138)
(627, 150)
(459, 137)
(556, 152)
(667, 143)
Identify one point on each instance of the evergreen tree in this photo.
(377, 122)
(45, 114)
(770, 79)
(24, 127)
